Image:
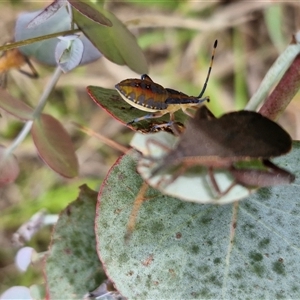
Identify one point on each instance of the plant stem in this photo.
(50, 86)
(283, 93)
(41, 104)
(37, 39)
(278, 68)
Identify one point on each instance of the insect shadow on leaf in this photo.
(147, 95)
(240, 142)
(140, 198)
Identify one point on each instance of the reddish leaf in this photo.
(9, 168)
(90, 12)
(14, 106)
(283, 93)
(55, 146)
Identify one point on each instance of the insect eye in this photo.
(137, 85)
(148, 87)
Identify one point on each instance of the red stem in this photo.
(283, 93)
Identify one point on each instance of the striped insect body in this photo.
(149, 96)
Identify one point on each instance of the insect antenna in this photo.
(209, 69)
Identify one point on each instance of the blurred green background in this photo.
(177, 38)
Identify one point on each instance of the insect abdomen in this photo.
(143, 93)
(175, 97)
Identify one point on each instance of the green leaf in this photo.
(55, 146)
(116, 43)
(182, 250)
(91, 13)
(72, 267)
(112, 102)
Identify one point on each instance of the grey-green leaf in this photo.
(182, 250)
(68, 54)
(73, 268)
(44, 51)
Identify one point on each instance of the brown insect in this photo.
(229, 141)
(147, 95)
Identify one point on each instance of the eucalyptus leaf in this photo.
(182, 250)
(90, 13)
(72, 267)
(116, 43)
(55, 145)
(44, 51)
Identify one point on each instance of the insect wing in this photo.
(235, 136)
(249, 134)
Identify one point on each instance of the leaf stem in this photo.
(50, 86)
(41, 104)
(37, 39)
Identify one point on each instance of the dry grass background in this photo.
(177, 38)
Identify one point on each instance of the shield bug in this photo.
(149, 96)
(239, 142)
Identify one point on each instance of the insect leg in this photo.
(262, 178)
(213, 181)
(187, 112)
(195, 106)
(216, 186)
(281, 173)
(149, 116)
(175, 128)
